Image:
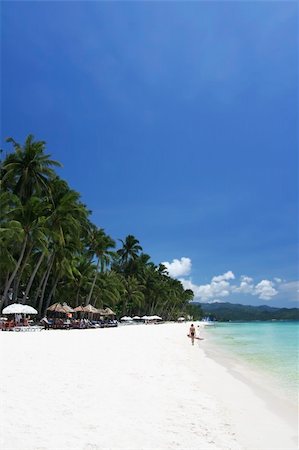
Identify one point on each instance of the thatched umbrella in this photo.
(109, 312)
(90, 309)
(79, 309)
(67, 308)
(56, 307)
(60, 308)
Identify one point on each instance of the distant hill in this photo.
(230, 311)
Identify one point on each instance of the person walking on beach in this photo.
(192, 331)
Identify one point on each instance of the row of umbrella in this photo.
(129, 319)
(65, 308)
(18, 308)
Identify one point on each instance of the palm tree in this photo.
(28, 169)
(130, 249)
(11, 236)
(66, 220)
(30, 217)
(108, 289)
(36, 266)
(13, 231)
(50, 248)
(82, 275)
(100, 245)
(132, 294)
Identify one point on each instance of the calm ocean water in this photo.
(270, 347)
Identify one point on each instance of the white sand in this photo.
(135, 388)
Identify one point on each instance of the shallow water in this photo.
(270, 347)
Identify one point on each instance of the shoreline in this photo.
(130, 388)
(273, 390)
(259, 378)
(264, 387)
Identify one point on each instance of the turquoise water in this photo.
(270, 347)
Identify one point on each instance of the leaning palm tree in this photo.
(31, 219)
(28, 170)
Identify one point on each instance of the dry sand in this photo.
(134, 388)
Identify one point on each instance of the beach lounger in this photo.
(27, 329)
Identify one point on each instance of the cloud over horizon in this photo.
(222, 286)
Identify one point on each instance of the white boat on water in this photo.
(207, 322)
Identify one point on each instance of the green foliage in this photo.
(51, 251)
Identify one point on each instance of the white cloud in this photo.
(226, 276)
(216, 301)
(222, 286)
(218, 287)
(178, 267)
(278, 280)
(246, 279)
(265, 290)
(246, 285)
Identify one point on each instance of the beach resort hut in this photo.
(79, 310)
(62, 309)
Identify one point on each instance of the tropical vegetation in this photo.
(51, 251)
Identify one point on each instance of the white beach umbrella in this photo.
(155, 318)
(180, 319)
(17, 308)
(145, 317)
(29, 310)
(126, 318)
(136, 318)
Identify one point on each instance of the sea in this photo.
(268, 348)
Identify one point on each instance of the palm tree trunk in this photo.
(11, 278)
(37, 266)
(77, 295)
(41, 284)
(51, 293)
(93, 284)
(20, 273)
(40, 304)
(125, 306)
(6, 278)
(153, 307)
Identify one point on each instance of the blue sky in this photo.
(177, 122)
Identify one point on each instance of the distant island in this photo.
(225, 312)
